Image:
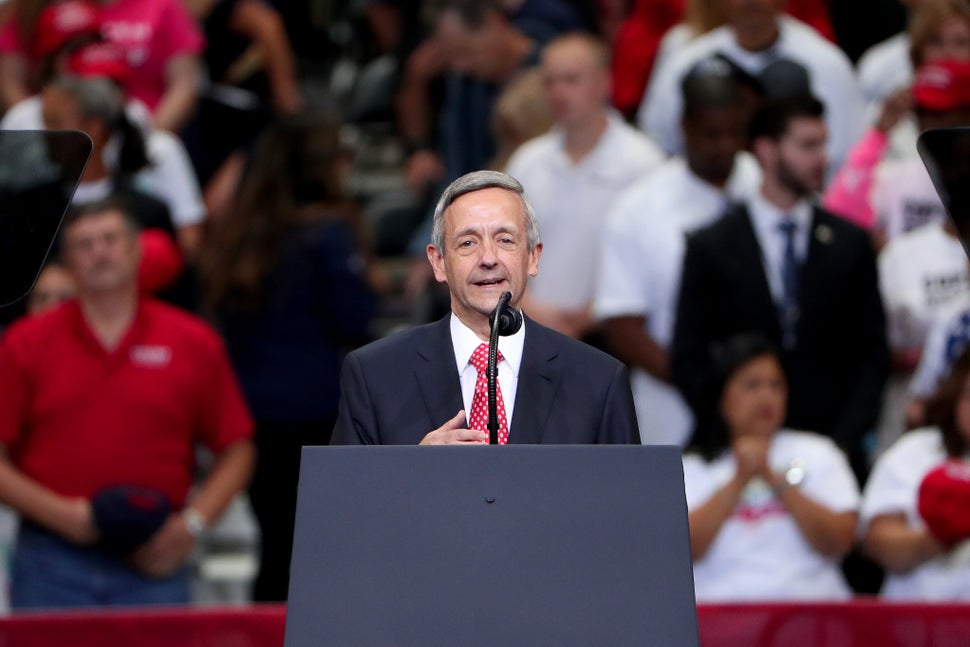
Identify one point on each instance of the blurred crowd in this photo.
(731, 202)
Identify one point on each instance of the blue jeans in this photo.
(50, 572)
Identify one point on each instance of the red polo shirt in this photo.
(76, 417)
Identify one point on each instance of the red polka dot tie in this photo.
(479, 414)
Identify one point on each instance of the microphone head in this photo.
(509, 319)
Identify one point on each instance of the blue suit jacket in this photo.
(396, 390)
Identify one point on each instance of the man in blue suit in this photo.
(420, 386)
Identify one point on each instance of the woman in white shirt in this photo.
(771, 510)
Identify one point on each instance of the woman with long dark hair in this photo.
(284, 276)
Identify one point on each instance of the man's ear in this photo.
(437, 261)
(764, 150)
(534, 260)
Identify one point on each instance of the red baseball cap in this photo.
(944, 501)
(942, 85)
(102, 59)
(64, 21)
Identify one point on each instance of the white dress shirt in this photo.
(766, 218)
(465, 341)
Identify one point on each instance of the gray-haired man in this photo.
(420, 386)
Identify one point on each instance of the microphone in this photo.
(502, 321)
(509, 319)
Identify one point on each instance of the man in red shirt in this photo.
(113, 389)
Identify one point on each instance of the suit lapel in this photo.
(539, 377)
(436, 374)
(747, 253)
(815, 271)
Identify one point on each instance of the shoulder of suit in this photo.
(572, 349)
(399, 342)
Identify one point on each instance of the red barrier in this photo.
(860, 623)
(254, 626)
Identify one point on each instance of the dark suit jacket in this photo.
(396, 390)
(838, 367)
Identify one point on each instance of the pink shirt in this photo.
(150, 32)
(848, 193)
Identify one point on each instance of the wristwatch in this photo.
(194, 522)
(791, 477)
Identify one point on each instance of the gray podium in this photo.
(512, 545)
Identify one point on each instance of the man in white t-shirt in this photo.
(757, 35)
(573, 175)
(644, 244)
(922, 274)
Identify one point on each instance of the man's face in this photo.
(485, 253)
(576, 85)
(469, 51)
(101, 252)
(800, 156)
(712, 139)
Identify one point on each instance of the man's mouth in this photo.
(489, 282)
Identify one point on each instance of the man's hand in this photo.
(454, 432)
(167, 549)
(79, 525)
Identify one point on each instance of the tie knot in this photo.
(787, 227)
(479, 358)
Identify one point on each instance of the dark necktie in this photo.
(788, 308)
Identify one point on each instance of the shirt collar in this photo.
(561, 161)
(465, 341)
(767, 216)
(84, 331)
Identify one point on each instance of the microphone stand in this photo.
(503, 321)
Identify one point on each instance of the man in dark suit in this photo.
(785, 268)
(416, 386)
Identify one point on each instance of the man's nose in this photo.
(488, 257)
(98, 245)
